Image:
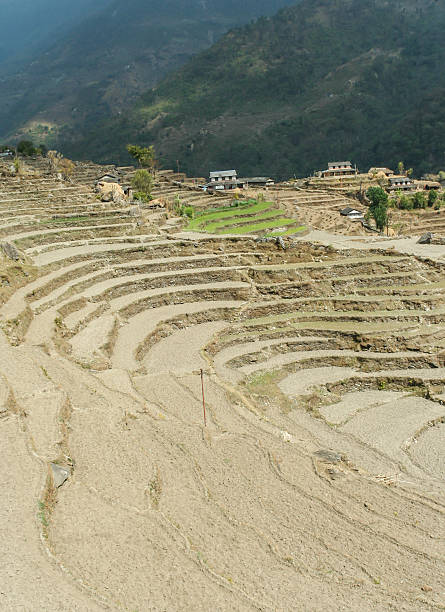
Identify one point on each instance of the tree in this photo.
(142, 183)
(419, 200)
(380, 215)
(400, 167)
(60, 165)
(406, 203)
(432, 197)
(379, 206)
(26, 148)
(54, 158)
(66, 167)
(145, 156)
(377, 196)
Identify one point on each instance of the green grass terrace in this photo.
(244, 217)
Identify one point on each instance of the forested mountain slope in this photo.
(321, 80)
(109, 59)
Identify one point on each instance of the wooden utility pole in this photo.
(203, 399)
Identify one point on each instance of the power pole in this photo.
(203, 399)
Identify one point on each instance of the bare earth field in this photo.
(318, 482)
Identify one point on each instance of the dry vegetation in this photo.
(318, 481)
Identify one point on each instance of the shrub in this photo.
(406, 203)
(142, 183)
(379, 206)
(141, 197)
(377, 196)
(419, 200)
(432, 197)
(145, 156)
(26, 148)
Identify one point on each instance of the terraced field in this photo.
(317, 482)
(249, 217)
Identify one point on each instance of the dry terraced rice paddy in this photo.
(318, 482)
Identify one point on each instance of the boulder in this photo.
(426, 238)
(328, 456)
(110, 192)
(10, 251)
(60, 474)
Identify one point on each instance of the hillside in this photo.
(315, 481)
(104, 63)
(345, 79)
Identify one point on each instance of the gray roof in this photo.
(257, 179)
(343, 163)
(348, 210)
(397, 179)
(220, 173)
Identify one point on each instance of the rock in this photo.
(328, 456)
(10, 251)
(110, 192)
(60, 474)
(426, 238)
(426, 588)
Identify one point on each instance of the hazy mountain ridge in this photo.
(103, 64)
(349, 78)
(28, 25)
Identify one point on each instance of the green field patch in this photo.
(216, 225)
(244, 218)
(200, 221)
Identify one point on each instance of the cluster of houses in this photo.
(225, 180)
(396, 182)
(8, 153)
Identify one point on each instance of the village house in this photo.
(222, 176)
(385, 171)
(257, 181)
(108, 178)
(339, 169)
(352, 213)
(432, 185)
(222, 180)
(403, 183)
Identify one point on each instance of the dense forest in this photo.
(354, 79)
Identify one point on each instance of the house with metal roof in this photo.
(351, 213)
(223, 175)
(343, 168)
(403, 183)
(221, 180)
(257, 181)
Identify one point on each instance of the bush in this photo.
(141, 197)
(142, 183)
(379, 206)
(406, 203)
(432, 197)
(419, 200)
(377, 196)
(26, 148)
